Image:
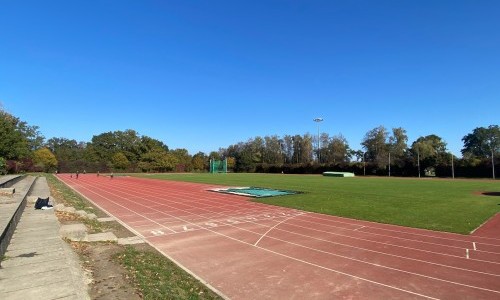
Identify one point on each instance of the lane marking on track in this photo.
(467, 253)
(306, 262)
(389, 244)
(392, 237)
(385, 253)
(446, 235)
(474, 244)
(359, 228)
(157, 232)
(272, 229)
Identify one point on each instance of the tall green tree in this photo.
(337, 150)
(375, 144)
(183, 158)
(14, 144)
(65, 149)
(398, 146)
(303, 148)
(120, 161)
(3, 166)
(158, 160)
(288, 149)
(482, 142)
(273, 152)
(104, 145)
(45, 160)
(429, 151)
(199, 161)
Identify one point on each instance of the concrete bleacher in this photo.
(36, 262)
(9, 180)
(12, 206)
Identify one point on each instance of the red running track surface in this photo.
(247, 250)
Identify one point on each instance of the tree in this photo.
(158, 160)
(483, 142)
(398, 146)
(183, 159)
(273, 152)
(14, 145)
(32, 134)
(257, 146)
(3, 166)
(214, 155)
(120, 161)
(147, 144)
(336, 151)
(199, 161)
(358, 154)
(376, 146)
(303, 148)
(65, 149)
(287, 145)
(129, 142)
(429, 151)
(45, 160)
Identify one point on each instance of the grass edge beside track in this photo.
(153, 275)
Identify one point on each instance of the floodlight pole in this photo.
(318, 120)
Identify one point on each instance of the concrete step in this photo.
(39, 264)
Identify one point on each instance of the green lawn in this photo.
(444, 205)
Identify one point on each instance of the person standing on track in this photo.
(77, 172)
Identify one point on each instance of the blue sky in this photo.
(207, 74)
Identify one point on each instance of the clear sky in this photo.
(207, 74)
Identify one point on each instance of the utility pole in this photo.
(418, 162)
(452, 167)
(364, 164)
(493, 162)
(389, 164)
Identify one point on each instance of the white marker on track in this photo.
(467, 253)
(474, 244)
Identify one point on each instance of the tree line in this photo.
(383, 152)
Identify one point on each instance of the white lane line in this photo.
(467, 253)
(324, 267)
(385, 253)
(388, 244)
(359, 228)
(272, 229)
(392, 237)
(448, 234)
(474, 244)
(281, 254)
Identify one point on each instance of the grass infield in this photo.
(437, 204)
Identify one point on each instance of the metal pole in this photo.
(452, 168)
(418, 163)
(493, 162)
(389, 164)
(364, 164)
(317, 120)
(319, 153)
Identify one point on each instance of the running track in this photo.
(247, 250)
